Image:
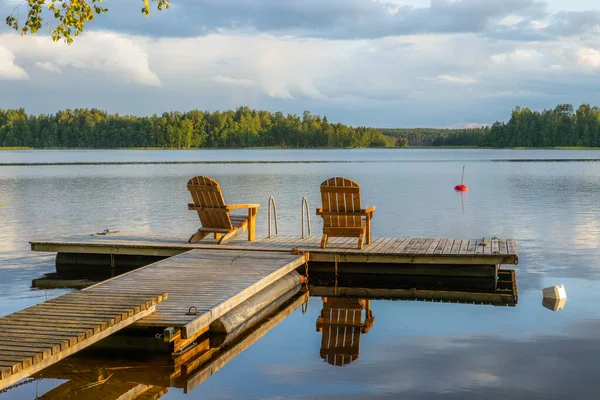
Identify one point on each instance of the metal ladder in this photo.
(306, 208)
(273, 206)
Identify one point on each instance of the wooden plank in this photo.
(479, 247)
(403, 246)
(440, 247)
(429, 246)
(502, 247)
(448, 247)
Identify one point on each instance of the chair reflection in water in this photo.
(341, 324)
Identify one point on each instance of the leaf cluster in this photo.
(71, 16)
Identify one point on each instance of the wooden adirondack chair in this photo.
(215, 215)
(342, 213)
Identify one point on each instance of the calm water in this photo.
(414, 349)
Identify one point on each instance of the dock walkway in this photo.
(41, 335)
(381, 250)
(211, 281)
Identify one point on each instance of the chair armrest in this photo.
(360, 213)
(368, 210)
(208, 209)
(238, 206)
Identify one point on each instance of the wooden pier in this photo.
(381, 250)
(205, 280)
(39, 336)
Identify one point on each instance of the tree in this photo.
(401, 142)
(71, 15)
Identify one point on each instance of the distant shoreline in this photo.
(297, 148)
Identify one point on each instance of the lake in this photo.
(547, 200)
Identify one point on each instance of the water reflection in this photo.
(341, 323)
(554, 304)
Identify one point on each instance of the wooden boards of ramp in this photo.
(202, 284)
(41, 335)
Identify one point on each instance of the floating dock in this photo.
(381, 250)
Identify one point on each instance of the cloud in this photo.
(48, 66)
(332, 19)
(107, 53)
(570, 23)
(459, 80)
(589, 58)
(388, 81)
(8, 69)
(234, 81)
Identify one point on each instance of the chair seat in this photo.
(237, 220)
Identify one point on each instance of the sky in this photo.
(381, 63)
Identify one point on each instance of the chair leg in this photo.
(361, 240)
(324, 241)
(218, 236)
(368, 229)
(198, 236)
(252, 224)
(229, 236)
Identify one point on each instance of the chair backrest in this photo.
(207, 194)
(340, 195)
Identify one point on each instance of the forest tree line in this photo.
(83, 128)
(561, 127)
(439, 137)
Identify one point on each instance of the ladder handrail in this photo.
(274, 207)
(306, 208)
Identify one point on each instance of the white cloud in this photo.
(8, 69)
(48, 66)
(589, 58)
(234, 81)
(459, 80)
(510, 20)
(113, 54)
(538, 24)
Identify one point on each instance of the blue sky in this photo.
(387, 63)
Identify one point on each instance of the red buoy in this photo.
(461, 187)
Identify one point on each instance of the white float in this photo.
(555, 298)
(555, 292)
